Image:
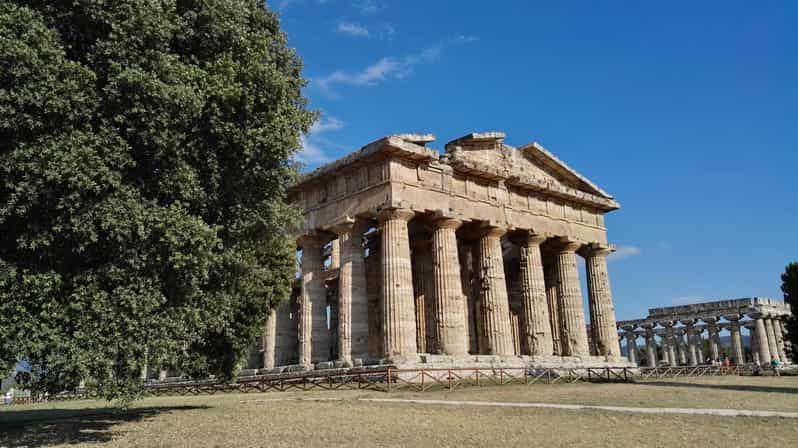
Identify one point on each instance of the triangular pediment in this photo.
(529, 166)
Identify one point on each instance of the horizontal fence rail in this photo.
(391, 379)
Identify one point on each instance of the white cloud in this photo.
(622, 252)
(312, 152)
(383, 69)
(466, 38)
(369, 6)
(353, 29)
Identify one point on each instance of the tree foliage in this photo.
(146, 147)
(789, 286)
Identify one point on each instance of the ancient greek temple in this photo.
(673, 336)
(411, 257)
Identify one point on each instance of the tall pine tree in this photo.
(789, 286)
(146, 146)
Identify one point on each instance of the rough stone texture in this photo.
(774, 350)
(602, 310)
(496, 336)
(777, 331)
(313, 335)
(762, 340)
(399, 321)
(447, 291)
(422, 286)
(353, 330)
(569, 296)
(270, 340)
(738, 354)
(535, 322)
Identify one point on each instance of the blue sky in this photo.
(685, 111)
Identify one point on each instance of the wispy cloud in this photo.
(369, 6)
(382, 70)
(352, 29)
(622, 252)
(466, 38)
(313, 144)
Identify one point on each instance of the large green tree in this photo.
(145, 149)
(789, 286)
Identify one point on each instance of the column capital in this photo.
(688, 322)
(565, 244)
(342, 225)
(492, 231)
(389, 214)
(733, 317)
(527, 237)
(445, 222)
(596, 250)
(666, 323)
(313, 239)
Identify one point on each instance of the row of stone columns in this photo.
(551, 318)
(766, 340)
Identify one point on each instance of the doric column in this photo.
(535, 322)
(754, 344)
(374, 293)
(762, 339)
(466, 254)
(772, 347)
(270, 340)
(681, 349)
(399, 321)
(651, 344)
(569, 296)
(447, 289)
(496, 337)
(602, 310)
(353, 312)
(736, 339)
(335, 253)
(669, 341)
(313, 335)
(631, 343)
(422, 289)
(553, 305)
(779, 333)
(714, 338)
(689, 330)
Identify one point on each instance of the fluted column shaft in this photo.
(447, 290)
(651, 347)
(772, 347)
(777, 331)
(353, 330)
(602, 310)
(399, 321)
(681, 348)
(669, 341)
(373, 268)
(736, 341)
(554, 308)
(422, 289)
(314, 344)
(689, 331)
(762, 341)
(569, 296)
(270, 340)
(714, 339)
(631, 346)
(496, 337)
(535, 322)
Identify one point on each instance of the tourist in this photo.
(726, 362)
(776, 364)
(756, 369)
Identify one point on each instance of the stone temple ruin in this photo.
(680, 328)
(465, 259)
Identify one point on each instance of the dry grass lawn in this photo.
(253, 420)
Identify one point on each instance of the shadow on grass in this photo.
(734, 387)
(47, 427)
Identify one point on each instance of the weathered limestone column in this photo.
(754, 343)
(651, 345)
(670, 343)
(689, 329)
(778, 332)
(496, 337)
(569, 296)
(466, 254)
(313, 335)
(535, 322)
(270, 340)
(774, 350)
(714, 339)
(353, 311)
(335, 253)
(736, 339)
(681, 350)
(374, 293)
(422, 289)
(399, 321)
(762, 339)
(631, 343)
(602, 310)
(447, 290)
(554, 308)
